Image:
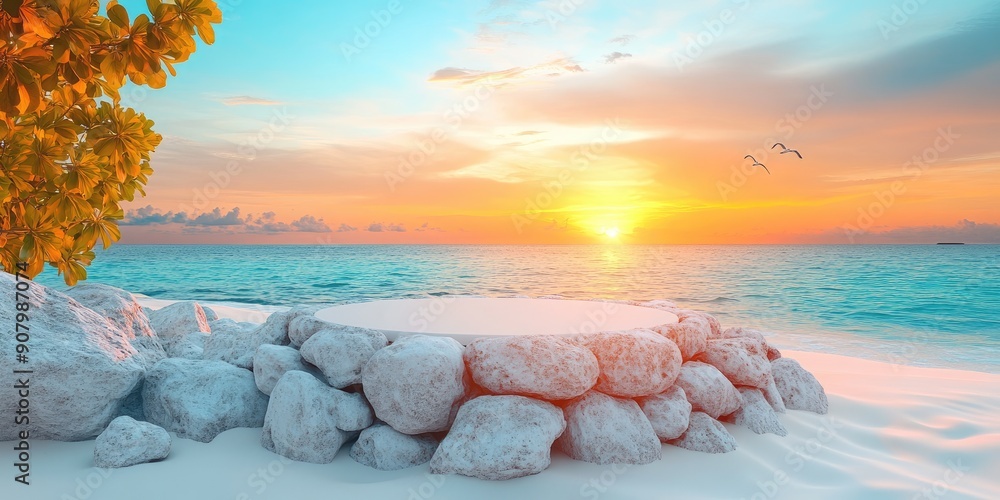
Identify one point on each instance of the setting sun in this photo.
(611, 233)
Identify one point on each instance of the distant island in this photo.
(951, 243)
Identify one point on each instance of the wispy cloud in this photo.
(463, 76)
(622, 40)
(224, 221)
(615, 56)
(378, 227)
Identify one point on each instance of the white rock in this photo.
(180, 318)
(190, 346)
(772, 395)
(83, 366)
(604, 430)
(707, 435)
(690, 334)
(756, 414)
(200, 399)
(124, 312)
(271, 362)
(304, 326)
(210, 314)
(309, 421)
(539, 366)
(231, 342)
(735, 332)
(664, 305)
(742, 360)
(634, 363)
(341, 352)
(669, 413)
(384, 448)
(415, 383)
(799, 389)
(500, 437)
(128, 442)
(708, 390)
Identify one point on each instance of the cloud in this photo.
(378, 227)
(622, 40)
(529, 132)
(615, 56)
(344, 228)
(965, 231)
(219, 220)
(464, 76)
(427, 227)
(245, 100)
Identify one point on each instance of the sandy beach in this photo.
(893, 431)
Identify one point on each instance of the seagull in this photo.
(755, 163)
(786, 150)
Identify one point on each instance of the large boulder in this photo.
(743, 360)
(756, 414)
(605, 430)
(707, 435)
(669, 413)
(799, 389)
(545, 367)
(232, 342)
(83, 366)
(179, 318)
(634, 363)
(127, 442)
(271, 362)
(304, 326)
(500, 437)
(690, 333)
(199, 399)
(708, 390)
(415, 384)
(772, 395)
(123, 311)
(341, 352)
(740, 331)
(384, 448)
(309, 421)
(190, 346)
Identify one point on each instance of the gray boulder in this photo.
(604, 430)
(384, 448)
(415, 384)
(341, 352)
(271, 362)
(669, 413)
(799, 389)
(500, 437)
(178, 319)
(127, 442)
(199, 399)
(123, 311)
(84, 366)
(309, 421)
(707, 435)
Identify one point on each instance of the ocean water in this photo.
(924, 305)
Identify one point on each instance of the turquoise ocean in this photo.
(923, 305)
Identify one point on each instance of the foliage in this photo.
(70, 154)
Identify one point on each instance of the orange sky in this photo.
(551, 139)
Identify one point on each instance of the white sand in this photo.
(893, 432)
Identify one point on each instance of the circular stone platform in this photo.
(468, 318)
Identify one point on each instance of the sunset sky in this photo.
(580, 121)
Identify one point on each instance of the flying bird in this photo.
(755, 163)
(786, 150)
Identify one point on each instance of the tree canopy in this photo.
(70, 153)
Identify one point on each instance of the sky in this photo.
(580, 121)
